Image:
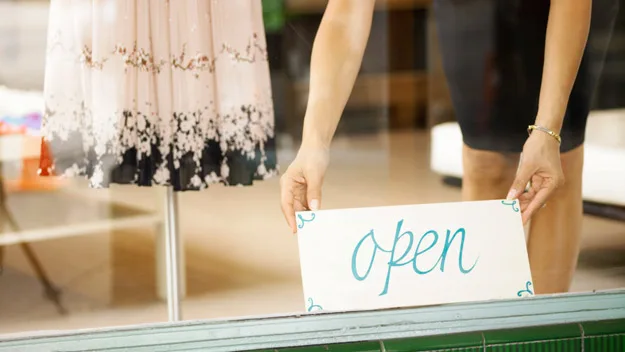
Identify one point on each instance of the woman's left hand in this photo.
(540, 165)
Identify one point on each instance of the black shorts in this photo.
(493, 52)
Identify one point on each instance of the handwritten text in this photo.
(425, 243)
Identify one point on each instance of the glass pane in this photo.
(206, 96)
(71, 257)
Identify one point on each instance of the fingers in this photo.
(313, 191)
(292, 197)
(287, 201)
(537, 196)
(525, 199)
(537, 203)
(521, 180)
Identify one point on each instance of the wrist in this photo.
(544, 138)
(316, 134)
(550, 122)
(315, 142)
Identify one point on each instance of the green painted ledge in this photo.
(362, 329)
(605, 336)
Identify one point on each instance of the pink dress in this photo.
(158, 92)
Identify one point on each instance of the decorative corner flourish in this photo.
(512, 204)
(527, 291)
(312, 306)
(303, 221)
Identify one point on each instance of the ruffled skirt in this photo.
(156, 92)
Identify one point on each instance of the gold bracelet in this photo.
(531, 128)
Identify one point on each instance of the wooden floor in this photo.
(241, 258)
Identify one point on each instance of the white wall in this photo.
(22, 43)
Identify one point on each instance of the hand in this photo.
(541, 166)
(300, 185)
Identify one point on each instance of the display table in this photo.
(604, 159)
(54, 214)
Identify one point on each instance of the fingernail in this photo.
(314, 204)
(511, 194)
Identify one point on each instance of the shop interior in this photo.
(74, 257)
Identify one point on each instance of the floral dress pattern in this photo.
(157, 92)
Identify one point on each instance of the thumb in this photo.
(521, 180)
(313, 191)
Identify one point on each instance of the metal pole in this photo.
(171, 255)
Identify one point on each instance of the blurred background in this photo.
(74, 257)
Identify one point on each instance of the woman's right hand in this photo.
(300, 185)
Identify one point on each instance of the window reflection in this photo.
(427, 65)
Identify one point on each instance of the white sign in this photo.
(413, 255)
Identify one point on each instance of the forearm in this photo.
(335, 62)
(567, 33)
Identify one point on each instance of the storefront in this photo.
(96, 269)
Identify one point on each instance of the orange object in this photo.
(45, 160)
(30, 178)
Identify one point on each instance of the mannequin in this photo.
(158, 93)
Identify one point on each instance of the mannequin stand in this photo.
(172, 256)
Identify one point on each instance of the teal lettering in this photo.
(426, 243)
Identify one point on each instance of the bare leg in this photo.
(555, 230)
(487, 175)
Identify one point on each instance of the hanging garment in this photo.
(157, 92)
